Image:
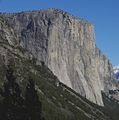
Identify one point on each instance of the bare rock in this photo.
(66, 44)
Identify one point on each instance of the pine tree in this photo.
(33, 105)
(14, 106)
(13, 102)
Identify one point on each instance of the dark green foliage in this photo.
(12, 104)
(111, 107)
(33, 106)
(16, 107)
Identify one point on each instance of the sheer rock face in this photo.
(66, 45)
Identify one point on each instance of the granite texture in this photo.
(66, 44)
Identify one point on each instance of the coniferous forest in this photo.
(16, 106)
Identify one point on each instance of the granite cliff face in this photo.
(9, 45)
(66, 44)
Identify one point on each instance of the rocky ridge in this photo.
(66, 44)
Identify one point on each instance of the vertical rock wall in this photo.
(66, 44)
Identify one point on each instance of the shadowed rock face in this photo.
(66, 44)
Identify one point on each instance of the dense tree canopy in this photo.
(14, 106)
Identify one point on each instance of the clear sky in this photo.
(103, 14)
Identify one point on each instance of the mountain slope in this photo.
(59, 102)
(66, 44)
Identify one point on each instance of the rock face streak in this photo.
(66, 44)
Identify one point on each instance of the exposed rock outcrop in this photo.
(9, 44)
(66, 44)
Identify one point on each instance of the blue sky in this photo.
(103, 14)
